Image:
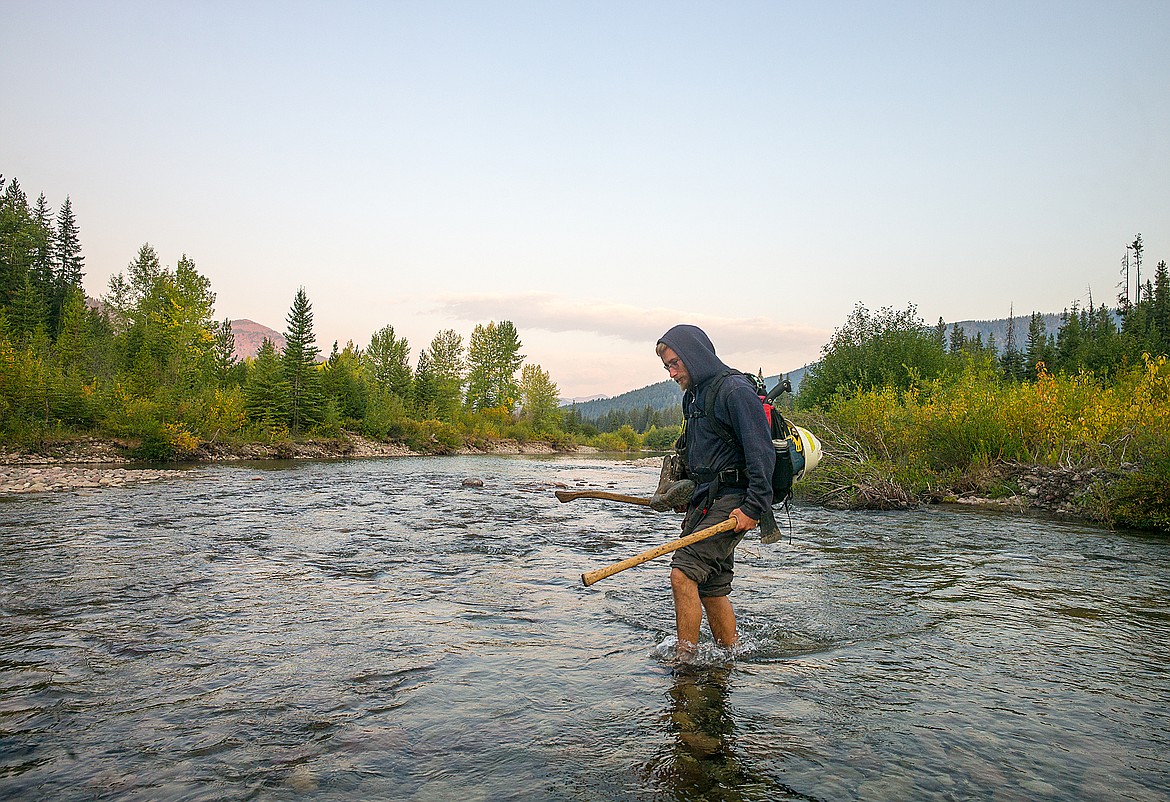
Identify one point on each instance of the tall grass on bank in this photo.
(944, 435)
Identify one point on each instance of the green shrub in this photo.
(1141, 500)
(433, 437)
(661, 438)
(385, 417)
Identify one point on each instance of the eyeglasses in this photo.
(673, 364)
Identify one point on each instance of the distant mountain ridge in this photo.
(250, 336)
(662, 395)
(999, 328)
(665, 394)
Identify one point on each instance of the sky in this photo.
(596, 172)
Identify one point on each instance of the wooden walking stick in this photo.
(589, 577)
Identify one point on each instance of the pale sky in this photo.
(596, 172)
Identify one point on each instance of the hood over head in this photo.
(694, 348)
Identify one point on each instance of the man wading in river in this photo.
(731, 480)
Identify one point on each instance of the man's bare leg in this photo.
(688, 611)
(721, 617)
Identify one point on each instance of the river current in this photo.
(372, 629)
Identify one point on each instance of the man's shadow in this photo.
(699, 760)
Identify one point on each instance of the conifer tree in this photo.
(43, 245)
(306, 399)
(344, 383)
(67, 263)
(14, 240)
(1137, 247)
(1161, 301)
(27, 312)
(265, 390)
(227, 364)
(958, 342)
(1036, 351)
(1069, 339)
(1012, 361)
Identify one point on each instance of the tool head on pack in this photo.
(675, 495)
(769, 531)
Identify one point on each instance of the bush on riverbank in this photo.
(972, 431)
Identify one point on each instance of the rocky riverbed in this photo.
(44, 478)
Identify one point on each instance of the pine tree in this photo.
(344, 384)
(958, 342)
(1012, 361)
(67, 263)
(1137, 247)
(1124, 302)
(27, 312)
(1161, 301)
(1069, 338)
(1036, 350)
(44, 243)
(227, 364)
(306, 399)
(265, 390)
(163, 322)
(14, 240)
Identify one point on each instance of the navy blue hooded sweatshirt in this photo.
(737, 407)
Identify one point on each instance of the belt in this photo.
(728, 477)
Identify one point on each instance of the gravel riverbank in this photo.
(91, 463)
(45, 478)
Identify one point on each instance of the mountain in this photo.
(250, 335)
(999, 329)
(663, 395)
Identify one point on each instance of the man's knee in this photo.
(681, 583)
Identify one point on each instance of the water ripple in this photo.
(374, 629)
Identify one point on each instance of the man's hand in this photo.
(742, 522)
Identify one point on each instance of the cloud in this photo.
(638, 325)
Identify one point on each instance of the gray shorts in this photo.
(710, 562)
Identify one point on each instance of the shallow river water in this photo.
(374, 630)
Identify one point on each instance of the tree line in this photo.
(896, 348)
(908, 412)
(150, 363)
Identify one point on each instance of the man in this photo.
(730, 481)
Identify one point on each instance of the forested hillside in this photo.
(150, 365)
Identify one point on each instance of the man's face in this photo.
(676, 368)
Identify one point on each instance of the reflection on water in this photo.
(376, 630)
(700, 759)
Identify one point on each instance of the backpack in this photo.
(786, 439)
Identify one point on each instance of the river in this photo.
(372, 629)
